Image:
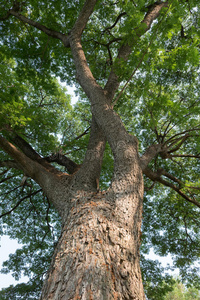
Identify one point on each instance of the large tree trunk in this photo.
(97, 256)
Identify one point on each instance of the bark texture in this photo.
(97, 256)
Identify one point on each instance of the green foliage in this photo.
(180, 292)
(156, 284)
(160, 103)
(22, 291)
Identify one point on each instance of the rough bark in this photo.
(97, 256)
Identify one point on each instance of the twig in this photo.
(18, 203)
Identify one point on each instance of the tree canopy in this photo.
(156, 62)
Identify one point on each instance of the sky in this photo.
(70, 90)
(8, 246)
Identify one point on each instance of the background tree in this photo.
(181, 293)
(135, 59)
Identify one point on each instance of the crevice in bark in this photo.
(89, 172)
(95, 255)
(65, 161)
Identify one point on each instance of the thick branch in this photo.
(104, 115)
(48, 181)
(106, 118)
(126, 49)
(84, 74)
(18, 156)
(89, 172)
(24, 146)
(153, 12)
(83, 17)
(157, 177)
(193, 187)
(10, 164)
(30, 152)
(49, 32)
(149, 154)
(29, 167)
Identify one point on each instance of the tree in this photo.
(136, 66)
(180, 292)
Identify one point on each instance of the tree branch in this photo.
(7, 178)
(180, 133)
(48, 181)
(30, 152)
(109, 122)
(4, 172)
(30, 167)
(182, 140)
(83, 17)
(90, 170)
(157, 177)
(168, 175)
(49, 32)
(10, 164)
(63, 161)
(84, 74)
(18, 156)
(78, 27)
(185, 155)
(126, 49)
(104, 114)
(153, 12)
(149, 154)
(166, 152)
(5, 17)
(19, 202)
(193, 187)
(118, 18)
(82, 134)
(9, 192)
